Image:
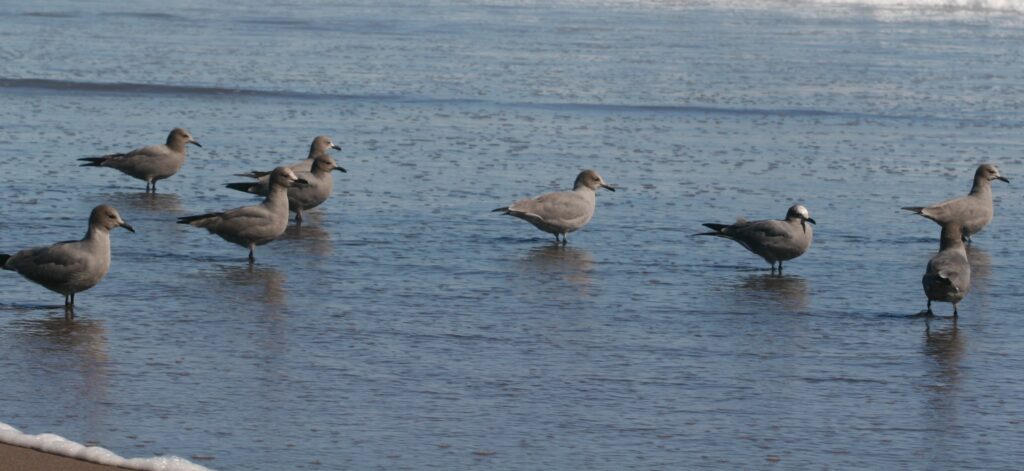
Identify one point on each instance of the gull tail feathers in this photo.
(198, 220)
(716, 229)
(97, 161)
(247, 187)
(253, 174)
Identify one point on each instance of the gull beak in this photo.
(300, 181)
(335, 146)
(195, 143)
(1007, 180)
(803, 223)
(607, 187)
(340, 169)
(127, 226)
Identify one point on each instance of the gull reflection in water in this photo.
(981, 267)
(561, 262)
(789, 291)
(84, 338)
(60, 345)
(248, 282)
(309, 237)
(156, 202)
(946, 347)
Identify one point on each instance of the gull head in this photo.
(799, 213)
(990, 172)
(322, 143)
(106, 217)
(590, 179)
(182, 136)
(326, 163)
(284, 176)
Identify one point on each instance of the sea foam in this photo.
(58, 445)
(975, 6)
(970, 5)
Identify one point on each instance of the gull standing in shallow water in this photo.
(972, 212)
(948, 276)
(73, 266)
(150, 163)
(562, 212)
(319, 185)
(250, 226)
(319, 147)
(773, 240)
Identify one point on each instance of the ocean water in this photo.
(404, 326)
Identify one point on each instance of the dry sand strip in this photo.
(16, 458)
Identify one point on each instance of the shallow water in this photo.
(404, 326)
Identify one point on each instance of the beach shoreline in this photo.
(18, 458)
(23, 452)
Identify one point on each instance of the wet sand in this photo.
(16, 458)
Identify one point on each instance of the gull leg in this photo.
(298, 216)
(252, 256)
(954, 311)
(930, 313)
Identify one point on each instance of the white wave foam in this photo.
(970, 5)
(59, 445)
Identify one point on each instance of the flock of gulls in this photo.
(75, 266)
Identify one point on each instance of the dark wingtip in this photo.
(91, 161)
(243, 187)
(715, 227)
(915, 209)
(3, 259)
(191, 219)
(504, 209)
(253, 174)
